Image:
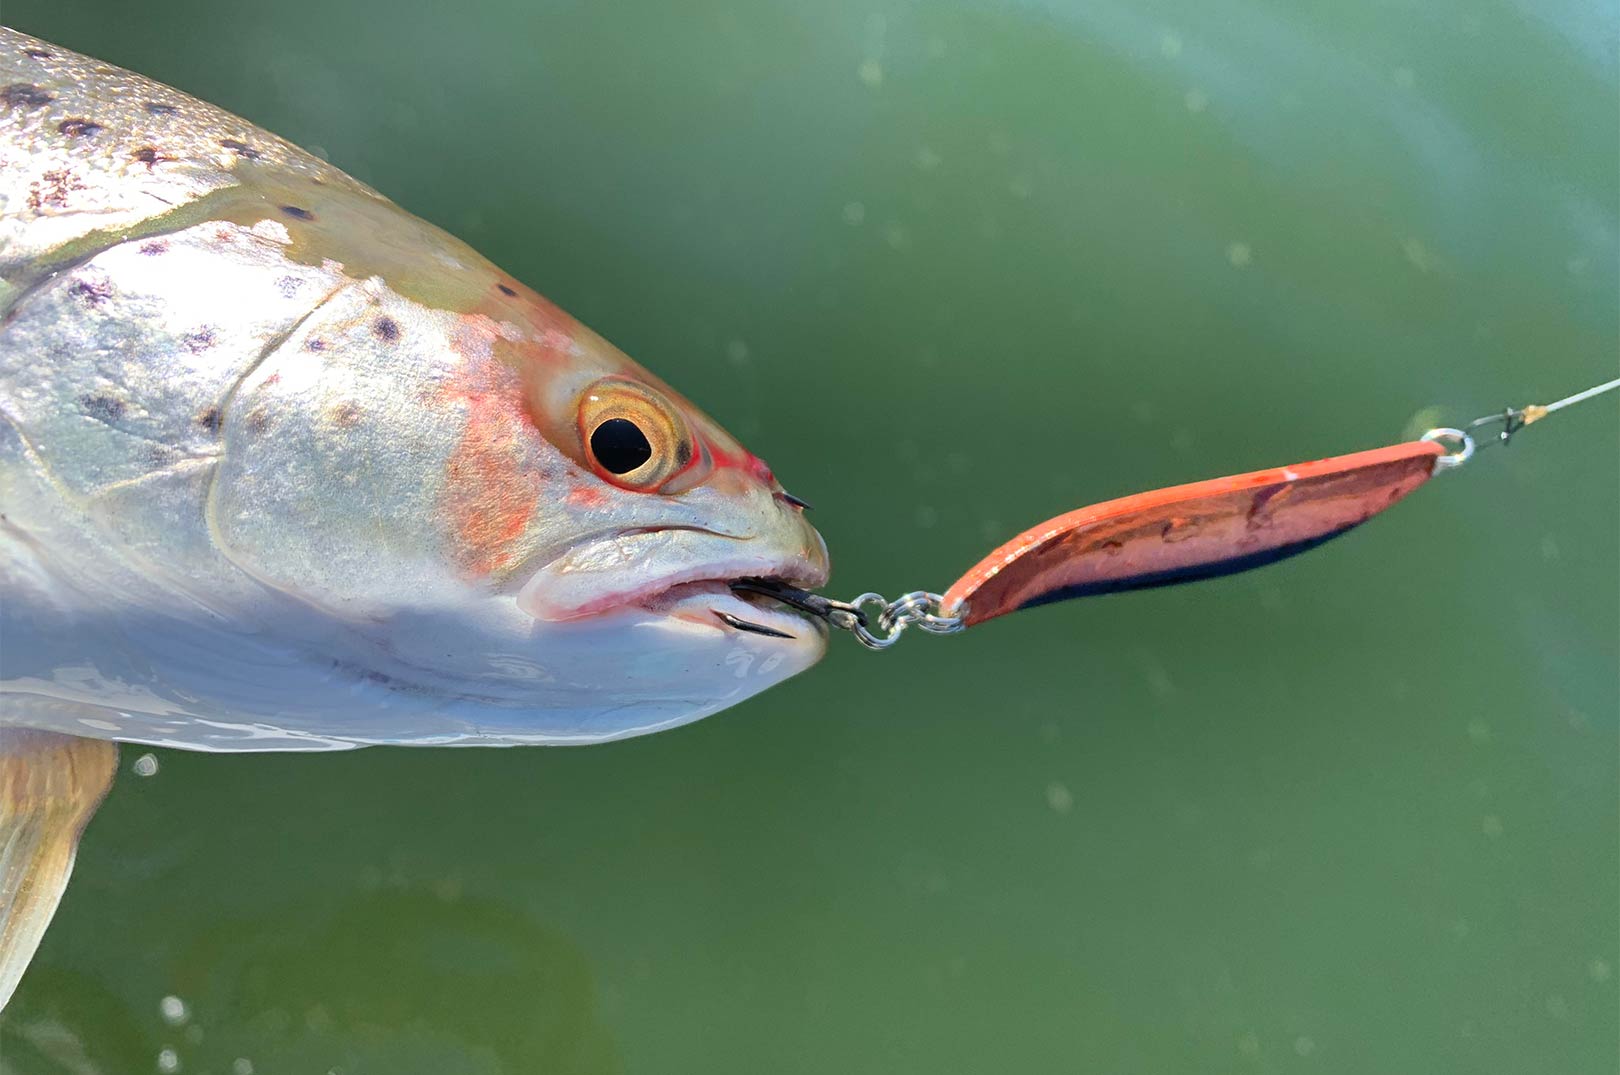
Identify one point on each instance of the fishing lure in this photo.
(1182, 533)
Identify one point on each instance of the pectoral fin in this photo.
(50, 784)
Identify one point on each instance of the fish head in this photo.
(494, 511)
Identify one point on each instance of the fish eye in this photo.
(620, 445)
(633, 436)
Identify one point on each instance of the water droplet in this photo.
(871, 73)
(854, 213)
(927, 159)
(241, 1066)
(173, 1010)
(1304, 1045)
(1419, 255)
(1058, 798)
(1558, 1007)
(1195, 100)
(168, 1061)
(1491, 826)
(145, 765)
(1598, 970)
(1249, 1045)
(737, 352)
(1239, 254)
(1169, 46)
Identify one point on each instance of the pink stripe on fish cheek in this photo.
(492, 485)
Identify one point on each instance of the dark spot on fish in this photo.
(314, 343)
(199, 341)
(224, 233)
(78, 128)
(258, 421)
(24, 95)
(159, 456)
(149, 156)
(288, 286)
(346, 415)
(38, 54)
(683, 454)
(90, 292)
(103, 408)
(506, 290)
(154, 248)
(294, 211)
(386, 329)
(157, 108)
(53, 189)
(241, 149)
(211, 419)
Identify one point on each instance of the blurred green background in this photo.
(952, 268)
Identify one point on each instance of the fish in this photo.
(286, 468)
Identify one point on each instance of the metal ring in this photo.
(1460, 447)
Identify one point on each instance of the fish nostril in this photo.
(802, 505)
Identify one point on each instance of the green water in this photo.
(952, 268)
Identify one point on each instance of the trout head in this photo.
(493, 512)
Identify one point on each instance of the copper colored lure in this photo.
(1165, 536)
(1186, 532)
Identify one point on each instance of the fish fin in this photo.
(50, 784)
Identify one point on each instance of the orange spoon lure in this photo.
(1165, 536)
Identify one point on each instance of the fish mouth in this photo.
(683, 573)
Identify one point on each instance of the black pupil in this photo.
(620, 446)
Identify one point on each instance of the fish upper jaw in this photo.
(666, 569)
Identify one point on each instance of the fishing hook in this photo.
(919, 609)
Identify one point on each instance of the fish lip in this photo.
(737, 557)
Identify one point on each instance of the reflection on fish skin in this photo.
(402, 980)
